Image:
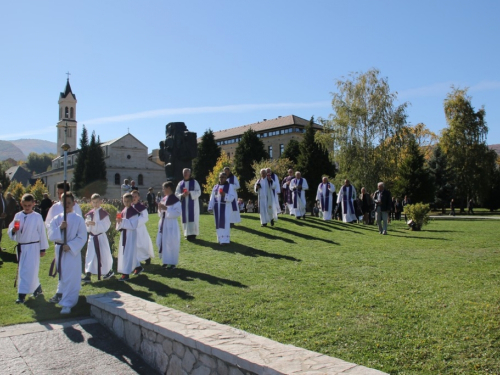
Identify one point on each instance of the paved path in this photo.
(465, 217)
(75, 346)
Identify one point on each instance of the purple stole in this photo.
(127, 213)
(220, 216)
(102, 215)
(190, 202)
(287, 193)
(233, 203)
(346, 201)
(296, 192)
(139, 207)
(325, 201)
(171, 200)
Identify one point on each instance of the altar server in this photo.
(144, 245)
(127, 222)
(168, 238)
(235, 211)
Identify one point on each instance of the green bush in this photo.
(418, 214)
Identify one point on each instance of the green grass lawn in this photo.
(412, 302)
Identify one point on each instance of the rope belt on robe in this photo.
(98, 253)
(55, 270)
(18, 248)
(161, 231)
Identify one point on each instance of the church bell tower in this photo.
(67, 118)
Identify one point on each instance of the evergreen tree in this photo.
(291, 151)
(79, 171)
(249, 150)
(313, 161)
(95, 170)
(39, 163)
(208, 153)
(4, 180)
(492, 201)
(438, 168)
(413, 179)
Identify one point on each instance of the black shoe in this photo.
(87, 278)
(264, 225)
(38, 291)
(20, 298)
(124, 278)
(170, 267)
(304, 217)
(232, 225)
(272, 223)
(109, 275)
(138, 270)
(147, 262)
(56, 298)
(164, 266)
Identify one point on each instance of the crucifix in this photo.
(68, 74)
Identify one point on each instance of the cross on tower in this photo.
(68, 74)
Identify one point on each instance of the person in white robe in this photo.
(220, 204)
(287, 193)
(346, 196)
(31, 238)
(265, 187)
(144, 247)
(325, 198)
(298, 186)
(98, 260)
(233, 180)
(188, 191)
(127, 223)
(68, 249)
(277, 191)
(168, 238)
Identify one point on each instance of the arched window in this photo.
(66, 113)
(60, 113)
(117, 179)
(140, 180)
(71, 113)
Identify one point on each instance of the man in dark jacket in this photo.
(383, 203)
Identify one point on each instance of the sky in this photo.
(138, 65)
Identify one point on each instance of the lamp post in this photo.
(65, 147)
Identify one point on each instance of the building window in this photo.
(270, 152)
(60, 113)
(66, 113)
(71, 113)
(140, 180)
(117, 179)
(282, 149)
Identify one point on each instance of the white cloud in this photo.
(201, 110)
(442, 88)
(27, 133)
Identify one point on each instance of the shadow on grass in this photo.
(8, 257)
(305, 236)
(307, 222)
(254, 216)
(261, 233)
(189, 275)
(237, 248)
(418, 238)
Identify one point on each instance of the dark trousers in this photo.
(1, 227)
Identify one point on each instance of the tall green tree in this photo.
(249, 150)
(94, 180)
(365, 116)
(464, 143)
(208, 153)
(79, 171)
(39, 163)
(313, 161)
(413, 179)
(440, 175)
(291, 151)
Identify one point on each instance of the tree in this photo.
(17, 189)
(213, 175)
(291, 151)
(208, 153)
(492, 201)
(79, 171)
(440, 176)
(365, 115)
(413, 179)
(4, 180)
(94, 180)
(249, 150)
(464, 143)
(313, 161)
(38, 189)
(39, 163)
(279, 167)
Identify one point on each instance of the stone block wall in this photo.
(177, 343)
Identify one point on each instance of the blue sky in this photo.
(219, 64)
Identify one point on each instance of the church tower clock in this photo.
(67, 118)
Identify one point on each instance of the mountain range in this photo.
(20, 148)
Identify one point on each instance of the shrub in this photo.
(418, 215)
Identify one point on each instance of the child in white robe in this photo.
(127, 223)
(68, 259)
(28, 230)
(98, 260)
(168, 238)
(144, 246)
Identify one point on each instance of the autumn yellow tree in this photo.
(38, 189)
(213, 176)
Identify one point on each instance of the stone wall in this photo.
(177, 343)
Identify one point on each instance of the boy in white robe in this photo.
(98, 260)
(127, 222)
(144, 247)
(28, 230)
(68, 259)
(220, 204)
(265, 187)
(346, 196)
(298, 185)
(57, 208)
(325, 198)
(235, 211)
(188, 192)
(168, 238)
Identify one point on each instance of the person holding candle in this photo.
(222, 196)
(69, 236)
(127, 222)
(28, 230)
(168, 238)
(188, 191)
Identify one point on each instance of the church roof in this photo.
(67, 91)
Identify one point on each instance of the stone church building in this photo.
(126, 157)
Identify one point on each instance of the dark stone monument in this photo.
(178, 150)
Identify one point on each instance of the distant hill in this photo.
(496, 148)
(9, 150)
(35, 145)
